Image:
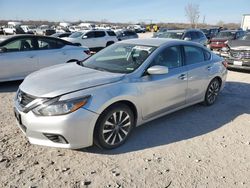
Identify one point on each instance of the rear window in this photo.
(193, 55)
(111, 33)
(99, 34)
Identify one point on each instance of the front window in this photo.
(246, 37)
(119, 58)
(76, 35)
(172, 35)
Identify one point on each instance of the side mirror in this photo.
(157, 69)
(187, 39)
(3, 49)
(84, 37)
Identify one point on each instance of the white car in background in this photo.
(12, 28)
(93, 39)
(23, 54)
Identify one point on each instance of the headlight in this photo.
(55, 108)
(225, 49)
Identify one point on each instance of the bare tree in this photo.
(193, 14)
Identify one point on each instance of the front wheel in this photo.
(114, 126)
(212, 92)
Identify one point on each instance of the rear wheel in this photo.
(212, 92)
(114, 126)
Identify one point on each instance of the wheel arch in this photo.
(128, 103)
(71, 60)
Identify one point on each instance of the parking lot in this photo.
(196, 147)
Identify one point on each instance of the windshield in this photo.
(119, 58)
(172, 35)
(76, 35)
(246, 37)
(206, 31)
(225, 35)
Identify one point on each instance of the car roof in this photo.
(156, 42)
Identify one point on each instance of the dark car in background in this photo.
(126, 34)
(210, 33)
(44, 30)
(239, 53)
(160, 32)
(220, 40)
(193, 35)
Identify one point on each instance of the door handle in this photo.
(209, 68)
(182, 77)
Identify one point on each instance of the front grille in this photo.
(24, 99)
(240, 54)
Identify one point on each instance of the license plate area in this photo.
(239, 63)
(19, 120)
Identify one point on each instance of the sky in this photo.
(123, 10)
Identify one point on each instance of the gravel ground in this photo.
(195, 147)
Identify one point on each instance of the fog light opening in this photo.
(56, 138)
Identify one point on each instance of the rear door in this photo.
(50, 52)
(199, 66)
(19, 59)
(101, 38)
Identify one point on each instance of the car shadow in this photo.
(11, 86)
(187, 123)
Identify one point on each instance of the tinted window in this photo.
(187, 35)
(207, 55)
(111, 33)
(193, 55)
(99, 34)
(193, 35)
(19, 45)
(199, 34)
(47, 43)
(170, 57)
(90, 34)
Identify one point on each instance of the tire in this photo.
(109, 43)
(212, 92)
(114, 126)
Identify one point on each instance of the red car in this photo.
(220, 40)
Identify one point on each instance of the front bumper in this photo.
(76, 128)
(243, 64)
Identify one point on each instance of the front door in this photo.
(162, 93)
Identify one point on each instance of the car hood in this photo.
(239, 44)
(61, 79)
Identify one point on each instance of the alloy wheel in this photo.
(213, 91)
(116, 127)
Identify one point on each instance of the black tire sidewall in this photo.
(206, 102)
(98, 136)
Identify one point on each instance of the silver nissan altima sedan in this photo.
(100, 100)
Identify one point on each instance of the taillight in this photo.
(225, 63)
(87, 52)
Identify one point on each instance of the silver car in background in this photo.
(23, 54)
(100, 100)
